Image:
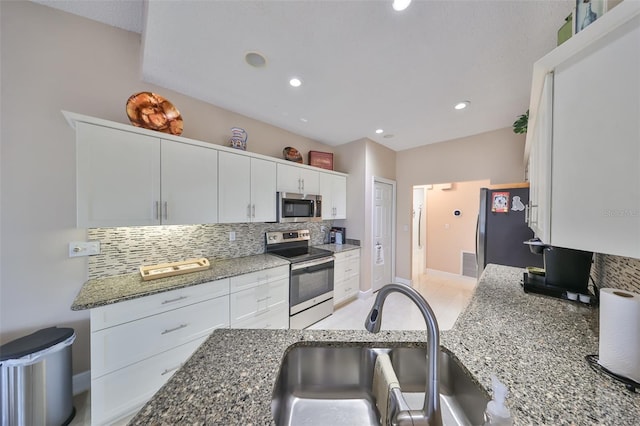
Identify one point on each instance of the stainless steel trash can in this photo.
(35, 379)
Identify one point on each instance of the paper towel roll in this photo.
(620, 332)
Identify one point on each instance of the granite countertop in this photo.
(338, 248)
(534, 344)
(118, 288)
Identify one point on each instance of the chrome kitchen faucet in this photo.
(400, 414)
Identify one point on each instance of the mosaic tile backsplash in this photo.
(617, 272)
(124, 250)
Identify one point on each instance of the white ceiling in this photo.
(363, 65)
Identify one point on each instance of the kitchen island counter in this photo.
(534, 344)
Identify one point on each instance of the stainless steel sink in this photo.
(332, 385)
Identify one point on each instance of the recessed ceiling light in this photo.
(255, 59)
(462, 105)
(295, 82)
(379, 131)
(400, 5)
(304, 120)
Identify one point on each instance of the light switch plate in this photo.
(84, 248)
(232, 236)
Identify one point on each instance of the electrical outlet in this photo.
(84, 248)
(232, 236)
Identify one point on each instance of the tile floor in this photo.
(447, 294)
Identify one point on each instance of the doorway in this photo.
(447, 228)
(383, 233)
(418, 236)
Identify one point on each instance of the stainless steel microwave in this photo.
(299, 207)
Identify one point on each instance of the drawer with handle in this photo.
(123, 392)
(254, 279)
(130, 310)
(259, 301)
(118, 347)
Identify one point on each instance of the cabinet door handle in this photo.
(157, 210)
(171, 330)
(526, 214)
(169, 370)
(253, 210)
(302, 185)
(174, 300)
(249, 210)
(166, 210)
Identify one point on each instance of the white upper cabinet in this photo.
(130, 179)
(594, 185)
(333, 189)
(263, 190)
(596, 149)
(299, 180)
(118, 177)
(128, 176)
(539, 208)
(247, 189)
(189, 184)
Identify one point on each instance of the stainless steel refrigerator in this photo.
(502, 229)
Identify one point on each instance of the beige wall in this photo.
(449, 235)
(495, 155)
(351, 158)
(52, 60)
(363, 160)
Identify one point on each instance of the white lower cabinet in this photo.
(260, 299)
(346, 279)
(123, 392)
(137, 345)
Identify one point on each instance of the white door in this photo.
(418, 234)
(383, 194)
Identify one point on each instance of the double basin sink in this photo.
(332, 385)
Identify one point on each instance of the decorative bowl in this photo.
(152, 111)
(292, 154)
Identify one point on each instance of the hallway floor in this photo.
(447, 294)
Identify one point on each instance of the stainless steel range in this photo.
(311, 277)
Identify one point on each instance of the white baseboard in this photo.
(403, 281)
(81, 382)
(445, 274)
(365, 294)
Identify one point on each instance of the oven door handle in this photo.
(302, 265)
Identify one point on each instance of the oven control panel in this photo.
(285, 236)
